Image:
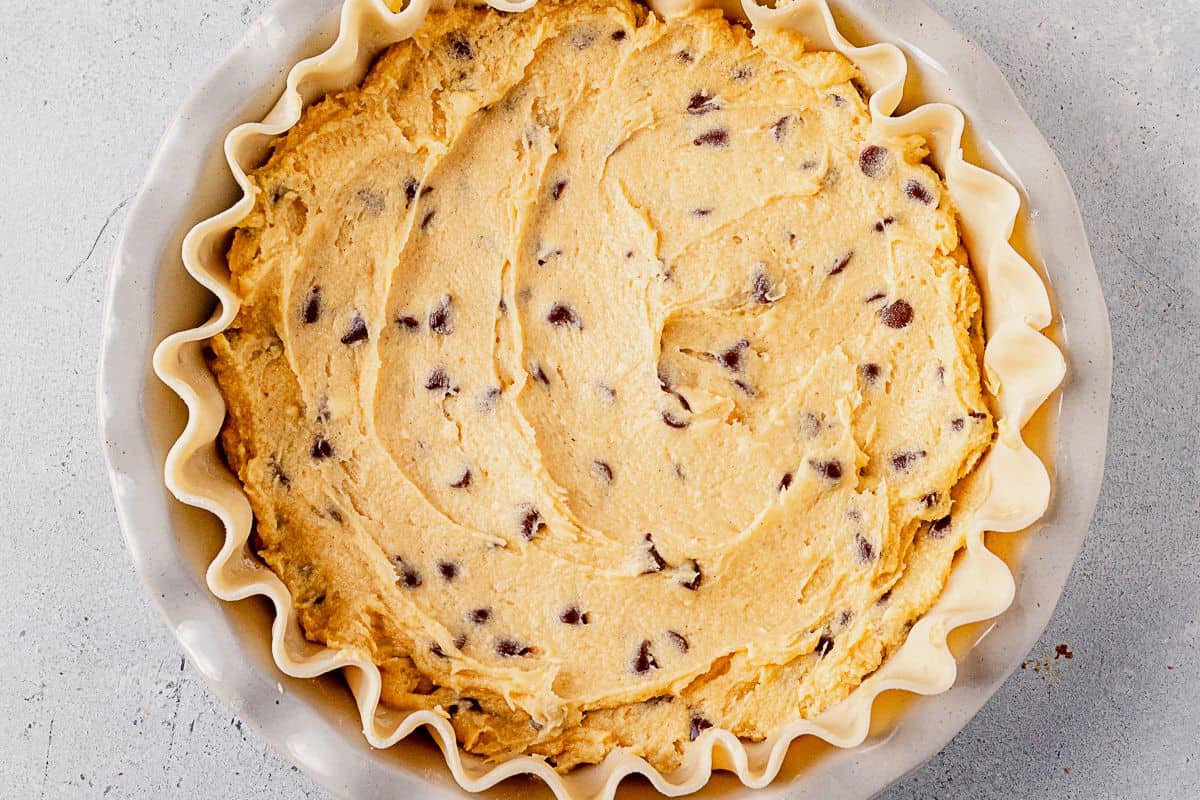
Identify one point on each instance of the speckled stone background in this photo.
(95, 697)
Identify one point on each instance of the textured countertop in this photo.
(96, 699)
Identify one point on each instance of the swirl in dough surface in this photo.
(603, 379)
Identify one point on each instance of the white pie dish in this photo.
(201, 624)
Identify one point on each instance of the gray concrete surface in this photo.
(95, 698)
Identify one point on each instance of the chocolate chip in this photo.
(459, 46)
(870, 373)
(978, 416)
(537, 373)
(655, 561)
(277, 473)
(644, 661)
(410, 191)
(563, 315)
(602, 471)
(702, 103)
(717, 137)
(571, 615)
(902, 461)
(408, 322)
(917, 191)
(673, 421)
(874, 297)
(941, 373)
(939, 527)
(897, 314)
(606, 392)
(335, 515)
(883, 223)
(679, 640)
(448, 570)
(745, 388)
(511, 647)
(957, 424)
(838, 100)
(841, 263)
(930, 500)
(874, 161)
(428, 218)
(761, 286)
(544, 255)
(357, 332)
(312, 306)
(701, 212)
(865, 550)
(785, 482)
(731, 357)
(780, 128)
(824, 645)
(697, 577)
(460, 641)
(437, 380)
(698, 726)
(373, 202)
(487, 400)
(321, 448)
(845, 617)
(405, 573)
(618, 36)
(440, 319)
(556, 190)
(531, 522)
(884, 598)
(831, 470)
(437, 650)
(685, 57)
(479, 616)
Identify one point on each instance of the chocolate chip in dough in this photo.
(531, 522)
(697, 726)
(715, 137)
(655, 561)
(897, 314)
(904, 460)
(510, 648)
(644, 660)
(874, 161)
(571, 615)
(357, 332)
(312, 306)
(841, 263)
(321, 448)
(915, 190)
(679, 640)
(563, 315)
(831, 470)
(441, 320)
(864, 549)
(458, 46)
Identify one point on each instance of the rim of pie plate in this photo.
(1021, 369)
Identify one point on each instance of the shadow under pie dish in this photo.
(613, 384)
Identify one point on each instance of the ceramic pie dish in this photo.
(1022, 365)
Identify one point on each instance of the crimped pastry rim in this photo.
(1022, 368)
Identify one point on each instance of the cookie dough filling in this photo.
(604, 379)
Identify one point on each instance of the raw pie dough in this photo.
(603, 379)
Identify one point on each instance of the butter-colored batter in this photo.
(603, 379)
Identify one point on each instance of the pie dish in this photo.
(928, 669)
